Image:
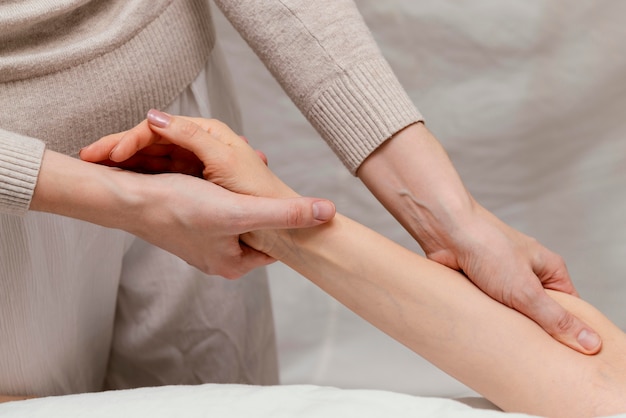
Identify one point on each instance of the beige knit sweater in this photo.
(74, 70)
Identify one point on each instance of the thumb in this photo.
(296, 212)
(562, 325)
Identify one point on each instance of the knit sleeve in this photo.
(20, 160)
(325, 58)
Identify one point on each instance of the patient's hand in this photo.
(196, 146)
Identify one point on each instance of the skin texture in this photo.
(434, 310)
(415, 180)
(195, 220)
(413, 177)
(442, 316)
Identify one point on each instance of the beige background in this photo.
(529, 100)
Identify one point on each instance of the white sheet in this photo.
(528, 98)
(239, 401)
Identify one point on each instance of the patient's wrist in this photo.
(272, 242)
(291, 245)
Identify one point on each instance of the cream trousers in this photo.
(85, 308)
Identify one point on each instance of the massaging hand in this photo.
(206, 233)
(509, 266)
(413, 177)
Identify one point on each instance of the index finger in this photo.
(120, 146)
(206, 138)
(135, 139)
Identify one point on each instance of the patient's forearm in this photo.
(442, 316)
(433, 310)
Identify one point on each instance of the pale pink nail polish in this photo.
(158, 118)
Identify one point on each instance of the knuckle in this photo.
(239, 219)
(530, 299)
(565, 322)
(557, 260)
(545, 255)
(189, 129)
(214, 126)
(228, 271)
(295, 216)
(526, 296)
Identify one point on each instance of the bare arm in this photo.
(326, 60)
(430, 308)
(413, 177)
(181, 214)
(439, 314)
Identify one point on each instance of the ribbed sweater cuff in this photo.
(20, 160)
(371, 98)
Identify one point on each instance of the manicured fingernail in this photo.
(589, 340)
(158, 118)
(323, 210)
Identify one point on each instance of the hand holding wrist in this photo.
(182, 213)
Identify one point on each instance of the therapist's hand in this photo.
(197, 220)
(201, 222)
(413, 177)
(201, 147)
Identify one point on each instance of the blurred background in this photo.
(528, 98)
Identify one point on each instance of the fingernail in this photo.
(323, 210)
(158, 118)
(589, 340)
